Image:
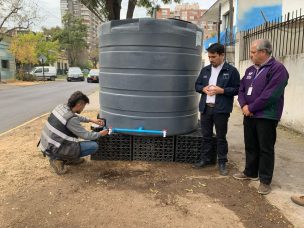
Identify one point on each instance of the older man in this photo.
(261, 97)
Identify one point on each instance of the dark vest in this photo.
(56, 139)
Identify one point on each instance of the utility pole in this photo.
(219, 22)
(231, 22)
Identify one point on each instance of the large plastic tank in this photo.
(147, 74)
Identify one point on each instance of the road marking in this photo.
(32, 120)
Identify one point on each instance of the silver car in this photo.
(93, 75)
(75, 74)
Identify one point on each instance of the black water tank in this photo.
(147, 74)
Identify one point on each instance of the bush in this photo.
(24, 76)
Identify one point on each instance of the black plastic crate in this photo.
(148, 148)
(188, 147)
(114, 147)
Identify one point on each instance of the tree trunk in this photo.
(131, 7)
(113, 8)
(116, 9)
(109, 8)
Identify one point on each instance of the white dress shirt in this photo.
(212, 81)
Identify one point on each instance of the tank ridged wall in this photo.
(147, 75)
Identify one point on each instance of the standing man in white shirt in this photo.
(217, 83)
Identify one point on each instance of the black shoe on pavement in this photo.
(222, 169)
(202, 164)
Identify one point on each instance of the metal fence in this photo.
(285, 33)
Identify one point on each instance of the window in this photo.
(5, 64)
(226, 20)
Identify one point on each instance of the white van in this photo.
(50, 73)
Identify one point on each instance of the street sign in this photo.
(42, 59)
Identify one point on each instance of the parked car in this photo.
(85, 71)
(75, 74)
(44, 73)
(93, 75)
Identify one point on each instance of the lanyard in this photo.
(257, 75)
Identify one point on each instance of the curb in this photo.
(27, 122)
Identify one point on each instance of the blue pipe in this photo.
(139, 130)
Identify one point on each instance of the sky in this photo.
(50, 11)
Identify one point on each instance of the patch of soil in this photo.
(121, 194)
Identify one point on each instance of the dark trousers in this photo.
(220, 121)
(260, 137)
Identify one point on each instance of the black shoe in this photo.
(75, 162)
(222, 169)
(202, 164)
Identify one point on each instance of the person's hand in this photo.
(207, 90)
(104, 132)
(212, 90)
(98, 122)
(217, 90)
(246, 111)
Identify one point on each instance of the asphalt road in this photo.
(21, 104)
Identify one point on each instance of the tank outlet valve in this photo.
(110, 131)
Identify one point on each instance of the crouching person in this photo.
(60, 135)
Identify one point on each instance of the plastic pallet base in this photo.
(188, 147)
(146, 148)
(114, 147)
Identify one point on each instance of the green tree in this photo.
(48, 48)
(108, 10)
(23, 47)
(28, 47)
(72, 37)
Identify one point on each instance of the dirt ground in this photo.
(121, 194)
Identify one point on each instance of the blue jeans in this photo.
(87, 148)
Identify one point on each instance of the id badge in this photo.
(249, 92)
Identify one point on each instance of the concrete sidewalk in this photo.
(289, 166)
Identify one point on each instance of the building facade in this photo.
(7, 63)
(76, 8)
(163, 13)
(189, 12)
(186, 12)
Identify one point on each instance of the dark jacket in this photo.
(267, 98)
(228, 79)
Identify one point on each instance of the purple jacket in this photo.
(268, 85)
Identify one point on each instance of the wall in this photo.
(292, 5)
(6, 74)
(293, 113)
(249, 12)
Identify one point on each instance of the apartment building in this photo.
(189, 12)
(163, 13)
(76, 8)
